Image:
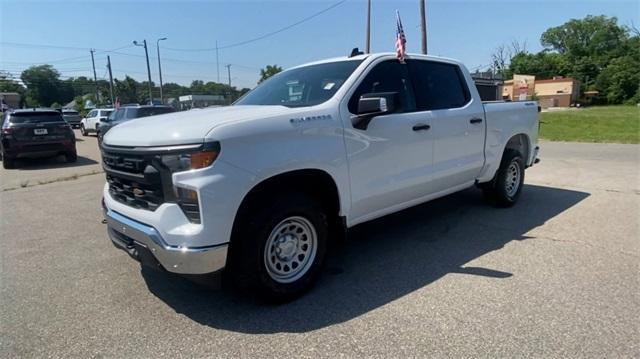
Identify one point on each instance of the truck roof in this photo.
(375, 56)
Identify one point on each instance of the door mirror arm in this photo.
(371, 105)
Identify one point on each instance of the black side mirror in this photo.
(371, 105)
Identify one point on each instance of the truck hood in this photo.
(184, 127)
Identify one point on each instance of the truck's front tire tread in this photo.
(246, 258)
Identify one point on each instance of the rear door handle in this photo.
(475, 120)
(421, 127)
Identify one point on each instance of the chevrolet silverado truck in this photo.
(262, 187)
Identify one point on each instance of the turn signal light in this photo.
(202, 159)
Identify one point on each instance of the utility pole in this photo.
(110, 80)
(423, 26)
(229, 73)
(217, 62)
(160, 67)
(95, 78)
(367, 43)
(146, 53)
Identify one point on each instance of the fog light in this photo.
(187, 199)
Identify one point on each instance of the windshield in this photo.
(70, 113)
(116, 115)
(300, 87)
(35, 117)
(147, 111)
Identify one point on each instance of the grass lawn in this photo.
(618, 124)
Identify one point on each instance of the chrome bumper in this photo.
(126, 234)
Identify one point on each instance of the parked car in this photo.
(261, 187)
(127, 113)
(90, 123)
(72, 117)
(35, 133)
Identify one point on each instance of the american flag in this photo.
(401, 40)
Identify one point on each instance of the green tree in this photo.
(587, 45)
(43, 85)
(269, 71)
(543, 65)
(127, 90)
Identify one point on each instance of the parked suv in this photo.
(35, 133)
(90, 123)
(127, 113)
(72, 117)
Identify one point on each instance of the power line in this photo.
(261, 36)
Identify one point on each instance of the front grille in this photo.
(135, 194)
(134, 180)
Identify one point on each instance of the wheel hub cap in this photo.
(512, 180)
(290, 249)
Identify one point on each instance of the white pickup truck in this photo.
(263, 186)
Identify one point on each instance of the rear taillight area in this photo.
(7, 131)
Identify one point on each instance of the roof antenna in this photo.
(356, 52)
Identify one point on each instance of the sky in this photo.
(62, 32)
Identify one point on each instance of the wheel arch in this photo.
(521, 143)
(316, 183)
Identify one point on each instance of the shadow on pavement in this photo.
(28, 164)
(380, 262)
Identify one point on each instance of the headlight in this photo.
(190, 160)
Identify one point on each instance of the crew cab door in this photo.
(457, 121)
(389, 161)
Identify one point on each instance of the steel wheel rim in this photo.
(290, 249)
(512, 180)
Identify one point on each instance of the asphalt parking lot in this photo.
(555, 276)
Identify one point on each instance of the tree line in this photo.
(598, 52)
(44, 87)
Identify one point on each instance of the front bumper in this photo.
(139, 240)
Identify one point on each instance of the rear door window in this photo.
(35, 117)
(438, 85)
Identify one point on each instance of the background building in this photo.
(555, 92)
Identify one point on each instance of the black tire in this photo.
(8, 163)
(71, 157)
(500, 191)
(248, 265)
(83, 131)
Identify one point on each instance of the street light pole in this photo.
(160, 67)
(146, 53)
(423, 27)
(367, 44)
(229, 73)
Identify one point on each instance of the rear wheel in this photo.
(504, 190)
(8, 163)
(71, 157)
(279, 250)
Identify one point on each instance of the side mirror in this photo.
(371, 105)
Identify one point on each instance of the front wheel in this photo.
(505, 188)
(278, 253)
(83, 130)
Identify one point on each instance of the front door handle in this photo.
(421, 127)
(475, 120)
